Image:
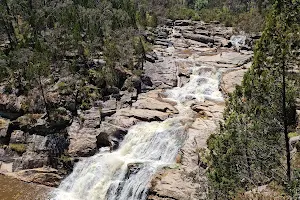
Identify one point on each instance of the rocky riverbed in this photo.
(40, 151)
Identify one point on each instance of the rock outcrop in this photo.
(33, 143)
(196, 45)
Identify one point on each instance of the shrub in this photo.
(65, 158)
(179, 12)
(19, 148)
(251, 21)
(293, 134)
(200, 4)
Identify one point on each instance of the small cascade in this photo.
(148, 146)
(125, 174)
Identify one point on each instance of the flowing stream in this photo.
(125, 174)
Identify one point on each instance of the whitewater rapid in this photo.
(125, 174)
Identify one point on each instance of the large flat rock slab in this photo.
(162, 72)
(231, 58)
(154, 104)
(142, 114)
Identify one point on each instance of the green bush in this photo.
(19, 148)
(65, 158)
(179, 12)
(200, 4)
(293, 134)
(251, 21)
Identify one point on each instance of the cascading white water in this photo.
(125, 174)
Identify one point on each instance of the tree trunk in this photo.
(9, 28)
(287, 141)
(44, 98)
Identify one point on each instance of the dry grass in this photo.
(3, 123)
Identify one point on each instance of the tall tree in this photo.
(248, 150)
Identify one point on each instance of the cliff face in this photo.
(40, 148)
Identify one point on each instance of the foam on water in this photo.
(146, 148)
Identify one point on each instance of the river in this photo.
(125, 174)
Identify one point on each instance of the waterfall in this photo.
(125, 174)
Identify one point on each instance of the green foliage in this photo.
(200, 4)
(49, 39)
(248, 149)
(250, 21)
(293, 134)
(64, 158)
(294, 187)
(180, 12)
(19, 148)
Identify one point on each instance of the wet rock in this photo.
(110, 135)
(183, 80)
(189, 180)
(133, 168)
